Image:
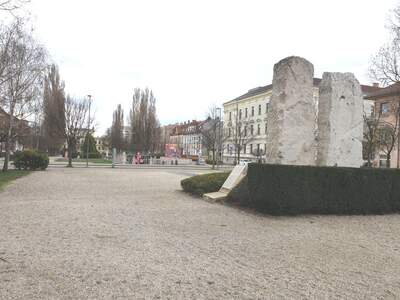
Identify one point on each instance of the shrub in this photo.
(285, 190)
(209, 161)
(31, 160)
(206, 183)
(95, 155)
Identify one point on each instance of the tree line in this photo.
(143, 132)
(34, 107)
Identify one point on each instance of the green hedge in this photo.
(240, 194)
(287, 190)
(31, 160)
(203, 184)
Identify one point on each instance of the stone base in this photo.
(215, 197)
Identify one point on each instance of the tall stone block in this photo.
(291, 119)
(340, 121)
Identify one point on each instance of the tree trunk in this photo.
(8, 138)
(7, 155)
(238, 156)
(388, 161)
(70, 150)
(369, 153)
(213, 158)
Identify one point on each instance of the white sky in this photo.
(195, 53)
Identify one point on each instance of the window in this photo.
(230, 116)
(240, 114)
(252, 111)
(244, 148)
(245, 130)
(266, 128)
(245, 113)
(229, 132)
(258, 149)
(385, 108)
(267, 108)
(258, 129)
(251, 148)
(251, 129)
(259, 109)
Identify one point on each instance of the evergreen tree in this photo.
(93, 153)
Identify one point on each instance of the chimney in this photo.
(375, 84)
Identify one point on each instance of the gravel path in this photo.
(131, 234)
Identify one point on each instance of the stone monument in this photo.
(291, 119)
(340, 121)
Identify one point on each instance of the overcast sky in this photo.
(195, 53)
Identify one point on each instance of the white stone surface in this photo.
(340, 121)
(291, 119)
(236, 175)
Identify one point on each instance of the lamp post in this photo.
(218, 111)
(87, 133)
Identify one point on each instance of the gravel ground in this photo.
(115, 234)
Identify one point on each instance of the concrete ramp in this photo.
(233, 179)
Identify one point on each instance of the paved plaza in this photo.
(102, 233)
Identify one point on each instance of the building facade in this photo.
(246, 122)
(24, 133)
(386, 108)
(187, 139)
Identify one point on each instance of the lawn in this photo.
(91, 160)
(7, 177)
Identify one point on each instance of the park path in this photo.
(132, 234)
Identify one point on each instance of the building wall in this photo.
(188, 138)
(236, 111)
(389, 117)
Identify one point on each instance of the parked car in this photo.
(244, 162)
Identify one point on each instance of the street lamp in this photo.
(87, 133)
(218, 115)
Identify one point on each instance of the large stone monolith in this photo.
(340, 121)
(291, 119)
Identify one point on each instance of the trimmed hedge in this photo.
(203, 184)
(240, 194)
(31, 160)
(288, 190)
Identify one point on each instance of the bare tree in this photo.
(117, 129)
(388, 136)
(145, 128)
(212, 134)
(76, 117)
(240, 133)
(53, 106)
(384, 66)
(371, 136)
(11, 5)
(21, 79)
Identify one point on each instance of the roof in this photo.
(366, 89)
(187, 128)
(391, 90)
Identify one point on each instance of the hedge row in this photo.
(203, 184)
(287, 190)
(31, 160)
(239, 195)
